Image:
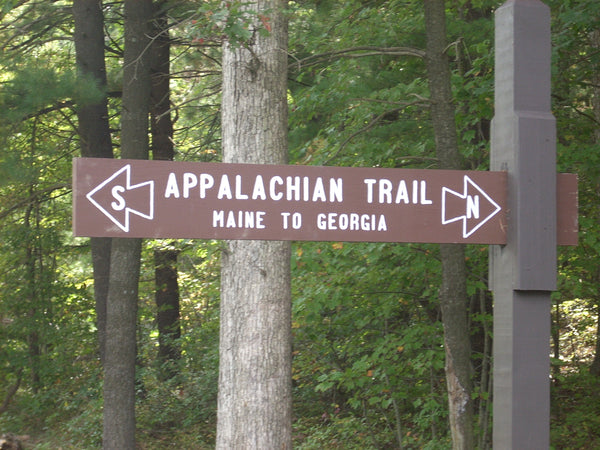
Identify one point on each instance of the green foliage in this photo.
(335, 433)
(366, 339)
(577, 326)
(234, 21)
(364, 106)
(575, 421)
(181, 402)
(28, 89)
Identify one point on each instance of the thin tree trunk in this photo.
(119, 370)
(484, 384)
(254, 402)
(167, 305)
(165, 260)
(595, 367)
(94, 134)
(119, 367)
(595, 38)
(32, 277)
(10, 393)
(161, 124)
(453, 293)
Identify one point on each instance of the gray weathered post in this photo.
(523, 272)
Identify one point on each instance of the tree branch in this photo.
(35, 195)
(11, 392)
(370, 125)
(357, 52)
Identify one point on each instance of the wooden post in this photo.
(523, 272)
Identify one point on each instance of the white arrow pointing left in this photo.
(111, 197)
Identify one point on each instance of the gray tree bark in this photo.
(254, 402)
(119, 368)
(94, 135)
(453, 293)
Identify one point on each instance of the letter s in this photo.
(119, 205)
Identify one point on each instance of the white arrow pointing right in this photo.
(475, 200)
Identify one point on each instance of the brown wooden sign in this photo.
(163, 199)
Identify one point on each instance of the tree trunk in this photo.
(595, 366)
(160, 52)
(94, 135)
(119, 371)
(165, 260)
(32, 282)
(453, 293)
(595, 39)
(254, 402)
(167, 305)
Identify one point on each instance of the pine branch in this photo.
(41, 194)
(357, 52)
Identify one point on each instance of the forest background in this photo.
(368, 353)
